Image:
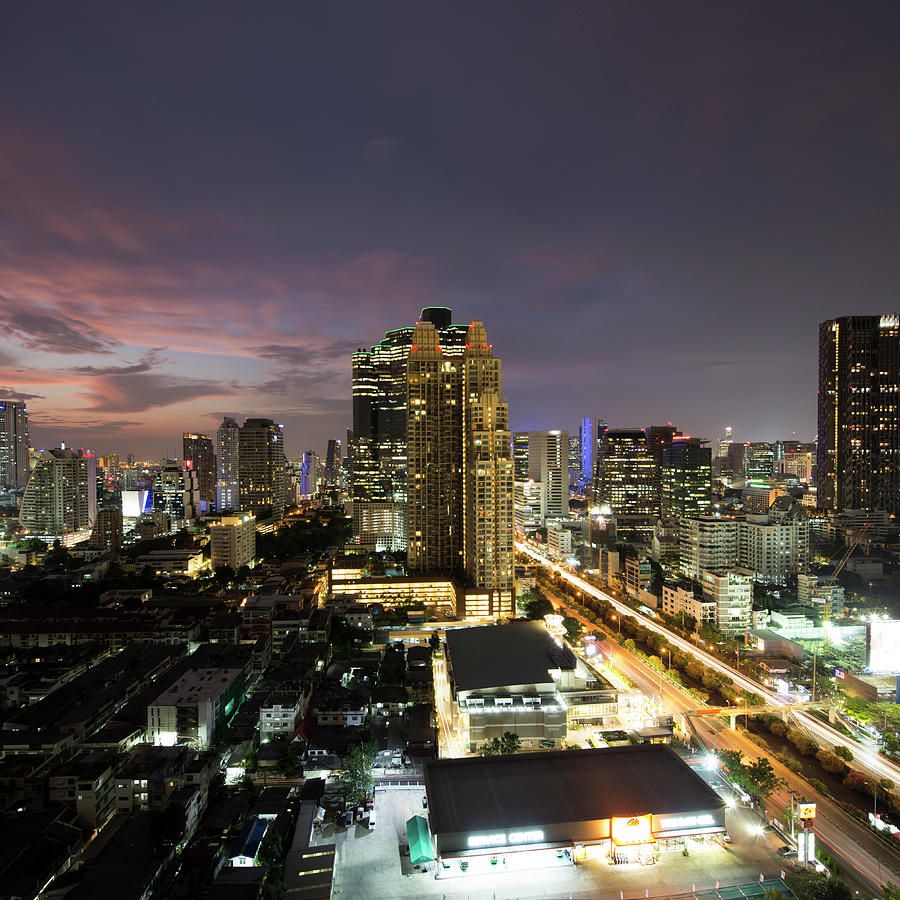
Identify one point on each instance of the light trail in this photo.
(862, 754)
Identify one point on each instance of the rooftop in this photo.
(499, 792)
(493, 656)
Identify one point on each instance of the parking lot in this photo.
(375, 864)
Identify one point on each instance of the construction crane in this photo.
(849, 552)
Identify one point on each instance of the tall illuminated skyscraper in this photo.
(858, 452)
(228, 485)
(262, 467)
(628, 479)
(61, 495)
(377, 442)
(14, 445)
(685, 478)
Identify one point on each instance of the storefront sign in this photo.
(806, 810)
(633, 830)
(503, 838)
(681, 823)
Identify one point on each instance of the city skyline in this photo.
(651, 209)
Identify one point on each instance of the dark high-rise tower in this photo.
(228, 486)
(685, 478)
(13, 445)
(262, 468)
(200, 456)
(858, 453)
(377, 443)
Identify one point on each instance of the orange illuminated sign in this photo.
(632, 830)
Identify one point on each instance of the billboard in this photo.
(136, 503)
(883, 646)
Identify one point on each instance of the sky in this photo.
(205, 207)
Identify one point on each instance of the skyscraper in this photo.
(542, 457)
(14, 445)
(685, 478)
(261, 464)
(592, 433)
(627, 479)
(228, 486)
(61, 495)
(858, 453)
(176, 492)
(309, 475)
(488, 477)
(333, 464)
(459, 466)
(377, 442)
(200, 456)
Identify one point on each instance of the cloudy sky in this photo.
(205, 207)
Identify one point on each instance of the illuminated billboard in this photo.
(631, 830)
(136, 503)
(883, 646)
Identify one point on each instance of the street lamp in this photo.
(618, 631)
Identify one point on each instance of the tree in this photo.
(843, 752)
(573, 628)
(356, 777)
(510, 743)
(289, 764)
(434, 642)
(758, 779)
(538, 607)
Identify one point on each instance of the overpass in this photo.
(866, 756)
(785, 711)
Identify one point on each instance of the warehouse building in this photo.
(511, 812)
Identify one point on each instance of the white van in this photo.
(372, 819)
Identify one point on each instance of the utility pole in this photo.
(815, 659)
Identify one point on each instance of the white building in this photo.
(546, 454)
(732, 592)
(680, 599)
(193, 706)
(281, 714)
(559, 541)
(707, 543)
(232, 541)
(775, 546)
(61, 495)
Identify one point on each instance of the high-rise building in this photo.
(261, 465)
(574, 460)
(685, 478)
(333, 464)
(61, 495)
(107, 531)
(309, 475)
(707, 543)
(14, 444)
(775, 546)
(232, 541)
(759, 461)
(724, 443)
(542, 457)
(487, 494)
(177, 492)
(858, 453)
(627, 479)
(228, 486)
(200, 456)
(459, 467)
(591, 436)
(377, 442)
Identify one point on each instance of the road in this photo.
(865, 756)
(865, 861)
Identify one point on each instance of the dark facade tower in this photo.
(262, 468)
(858, 453)
(377, 443)
(685, 478)
(228, 488)
(200, 456)
(14, 445)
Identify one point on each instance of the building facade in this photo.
(232, 541)
(261, 468)
(685, 478)
(627, 479)
(61, 494)
(14, 444)
(858, 452)
(228, 483)
(199, 455)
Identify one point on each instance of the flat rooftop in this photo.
(533, 789)
(491, 656)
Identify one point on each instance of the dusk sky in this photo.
(204, 208)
